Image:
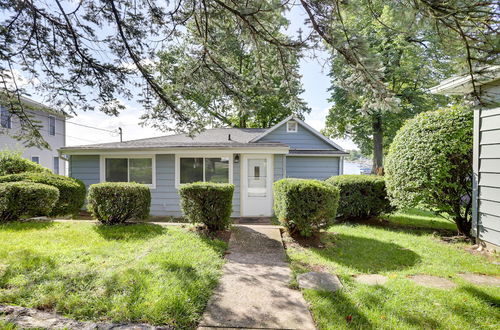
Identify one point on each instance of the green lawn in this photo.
(134, 273)
(398, 252)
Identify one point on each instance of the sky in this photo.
(315, 84)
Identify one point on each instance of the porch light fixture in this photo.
(237, 158)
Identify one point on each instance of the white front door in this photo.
(256, 184)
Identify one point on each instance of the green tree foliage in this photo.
(230, 75)
(430, 164)
(410, 62)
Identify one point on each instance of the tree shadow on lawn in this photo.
(130, 231)
(26, 225)
(485, 297)
(354, 312)
(367, 255)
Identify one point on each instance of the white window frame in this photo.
(50, 119)
(9, 117)
(31, 158)
(153, 166)
(203, 155)
(288, 130)
(58, 165)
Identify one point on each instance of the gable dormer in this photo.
(298, 135)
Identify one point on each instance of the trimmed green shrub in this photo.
(71, 191)
(12, 162)
(305, 206)
(117, 202)
(361, 196)
(26, 199)
(208, 203)
(429, 164)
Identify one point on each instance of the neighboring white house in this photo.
(53, 131)
(486, 167)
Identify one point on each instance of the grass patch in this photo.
(125, 273)
(397, 253)
(416, 218)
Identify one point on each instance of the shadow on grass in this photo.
(485, 297)
(367, 254)
(129, 232)
(26, 225)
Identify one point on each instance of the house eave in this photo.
(461, 85)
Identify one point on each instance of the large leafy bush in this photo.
(430, 164)
(361, 196)
(71, 191)
(305, 206)
(12, 162)
(26, 199)
(117, 202)
(208, 203)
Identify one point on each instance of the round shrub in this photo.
(208, 203)
(71, 191)
(305, 206)
(361, 196)
(26, 199)
(12, 163)
(117, 202)
(430, 164)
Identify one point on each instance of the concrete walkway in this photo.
(253, 292)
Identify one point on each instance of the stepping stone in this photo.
(319, 281)
(433, 281)
(371, 279)
(481, 279)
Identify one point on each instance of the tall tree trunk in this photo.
(378, 145)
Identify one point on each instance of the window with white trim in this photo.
(52, 125)
(6, 118)
(207, 169)
(124, 169)
(56, 165)
(35, 159)
(291, 127)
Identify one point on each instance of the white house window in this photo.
(35, 159)
(138, 170)
(291, 126)
(208, 169)
(56, 165)
(6, 120)
(52, 125)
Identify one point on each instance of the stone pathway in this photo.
(370, 279)
(480, 279)
(254, 291)
(433, 281)
(319, 281)
(29, 318)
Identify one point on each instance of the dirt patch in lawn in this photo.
(319, 241)
(222, 235)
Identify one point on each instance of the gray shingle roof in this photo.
(216, 137)
(317, 152)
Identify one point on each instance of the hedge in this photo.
(361, 196)
(208, 203)
(20, 199)
(71, 191)
(429, 164)
(117, 202)
(305, 206)
(12, 162)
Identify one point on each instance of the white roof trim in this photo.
(459, 85)
(302, 123)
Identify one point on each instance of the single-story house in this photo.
(250, 158)
(486, 165)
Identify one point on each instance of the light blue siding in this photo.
(164, 197)
(310, 167)
(302, 139)
(236, 182)
(488, 174)
(278, 167)
(85, 168)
